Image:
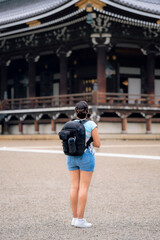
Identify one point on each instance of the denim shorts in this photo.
(85, 162)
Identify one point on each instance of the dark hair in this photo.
(81, 109)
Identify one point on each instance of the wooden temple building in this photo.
(55, 53)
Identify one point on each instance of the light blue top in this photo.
(89, 126)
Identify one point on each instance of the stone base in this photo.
(124, 132)
(148, 132)
(36, 133)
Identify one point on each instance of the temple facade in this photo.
(106, 52)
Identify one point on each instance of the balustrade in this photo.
(94, 98)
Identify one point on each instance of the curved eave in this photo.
(41, 16)
(52, 25)
(132, 10)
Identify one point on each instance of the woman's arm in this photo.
(96, 139)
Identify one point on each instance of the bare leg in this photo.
(85, 179)
(75, 179)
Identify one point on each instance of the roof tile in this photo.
(14, 10)
(150, 6)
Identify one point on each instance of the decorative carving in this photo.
(82, 31)
(158, 49)
(23, 117)
(126, 30)
(2, 43)
(4, 61)
(7, 119)
(151, 48)
(101, 24)
(62, 34)
(144, 51)
(28, 39)
(98, 38)
(123, 115)
(8, 62)
(38, 117)
(147, 116)
(32, 57)
(56, 116)
(48, 38)
(18, 43)
(6, 46)
(63, 50)
(150, 33)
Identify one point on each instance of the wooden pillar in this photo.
(53, 125)
(148, 124)
(36, 126)
(20, 127)
(101, 68)
(63, 74)
(62, 54)
(123, 116)
(124, 124)
(118, 77)
(5, 127)
(150, 72)
(4, 83)
(32, 75)
(101, 42)
(94, 97)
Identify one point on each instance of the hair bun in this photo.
(81, 109)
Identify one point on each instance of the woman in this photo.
(81, 169)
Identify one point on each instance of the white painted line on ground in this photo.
(126, 146)
(37, 147)
(97, 154)
(102, 146)
(29, 150)
(128, 156)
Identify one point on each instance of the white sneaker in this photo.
(82, 223)
(73, 221)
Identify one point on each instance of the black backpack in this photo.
(73, 138)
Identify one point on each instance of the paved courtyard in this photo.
(123, 201)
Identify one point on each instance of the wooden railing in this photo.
(45, 102)
(128, 99)
(94, 98)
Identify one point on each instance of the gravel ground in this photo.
(123, 201)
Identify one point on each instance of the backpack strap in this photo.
(83, 121)
(89, 142)
(90, 139)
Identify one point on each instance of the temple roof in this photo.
(17, 16)
(148, 7)
(15, 10)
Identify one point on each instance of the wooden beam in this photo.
(33, 23)
(95, 3)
